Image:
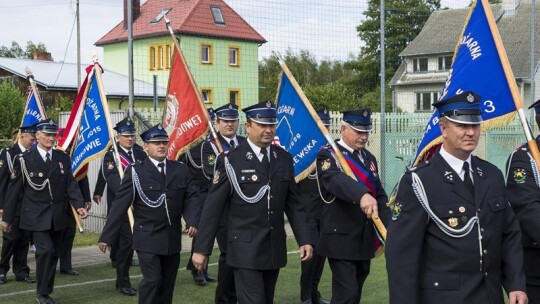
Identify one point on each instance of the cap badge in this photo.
(470, 98)
(230, 107)
(159, 127)
(268, 104)
(128, 123)
(365, 113)
(325, 111)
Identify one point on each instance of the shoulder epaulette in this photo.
(419, 166)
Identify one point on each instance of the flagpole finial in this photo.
(28, 73)
(94, 57)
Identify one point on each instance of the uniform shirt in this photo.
(456, 163)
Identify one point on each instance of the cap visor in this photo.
(466, 119)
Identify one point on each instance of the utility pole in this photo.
(78, 46)
(383, 93)
(131, 111)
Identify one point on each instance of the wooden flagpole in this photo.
(533, 147)
(201, 104)
(116, 154)
(377, 221)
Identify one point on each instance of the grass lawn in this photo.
(96, 284)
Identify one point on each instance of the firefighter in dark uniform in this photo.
(15, 243)
(453, 237)
(254, 183)
(129, 153)
(523, 186)
(161, 192)
(44, 177)
(193, 159)
(312, 270)
(227, 124)
(66, 266)
(347, 233)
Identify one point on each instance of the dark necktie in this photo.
(232, 144)
(48, 159)
(162, 171)
(130, 156)
(265, 161)
(467, 178)
(357, 154)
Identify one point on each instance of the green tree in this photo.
(325, 83)
(16, 51)
(404, 19)
(12, 104)
(62, 104)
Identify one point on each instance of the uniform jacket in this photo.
(109, 173)
(346, 232)
(151, 231)
(256, 232)
(5, 172)
(38, 208)
(427, 266)
(524, 197)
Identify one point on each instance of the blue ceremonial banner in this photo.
(93, 137)
(33, 111)
(297, 131)
(479, 66)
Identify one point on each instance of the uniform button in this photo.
(335, 229)
(535, 244)
(140, 226)
(271, 211)
(271, 227)
(271, 196)
(436, 284)
(235, 237)
(485, 274)
(482, 229)
(450, 212)
(485, 251)
(478, 209)
(497, 204)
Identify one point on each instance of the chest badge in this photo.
(453, 222)
(254, 177)
(461, 209)
(211, 159)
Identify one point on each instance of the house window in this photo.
(445, 63)
(420, 65)
(424, 101)
(168, 56)
(160, 16)
(234, 96)
(152, 58)
(7, 79)
(207, 95)
(206, 54)
(234, 56)
(159, 57)
(218, 16)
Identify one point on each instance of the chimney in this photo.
(42, 56)
(135, 8)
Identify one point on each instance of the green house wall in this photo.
(218, 76)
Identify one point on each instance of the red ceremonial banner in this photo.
(185, 118)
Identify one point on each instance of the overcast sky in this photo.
(327, 28)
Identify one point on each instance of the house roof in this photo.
(188, 17)
(443, 28)
(63, 76)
